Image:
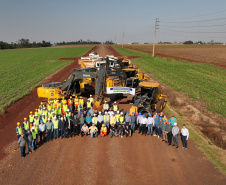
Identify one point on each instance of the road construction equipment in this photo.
(150, 98)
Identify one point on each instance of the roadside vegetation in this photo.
(22, 69)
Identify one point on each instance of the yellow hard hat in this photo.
(63, 98)
(70, 96)
(31, 112)
(80, 96)
(41, 103)
(18, 123)
(75, 96)
(103, 125)
(25, 118)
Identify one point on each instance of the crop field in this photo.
(23, 69)
(213, 54)
(200, 81)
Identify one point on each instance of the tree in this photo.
(188, 42)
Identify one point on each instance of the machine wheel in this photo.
(163, 103)
(159, 106)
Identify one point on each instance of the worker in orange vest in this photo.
(70, 103)
(103, 131)
(76, 102)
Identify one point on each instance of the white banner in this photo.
(123, 90)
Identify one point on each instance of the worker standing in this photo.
(34, 137)
(157, 123)
(81, 101)
(30, 141)
(150, 124)
(18, 130)
(117, 118)
(91, 99)
(49, 129)
(115, 107)
(127, 119)
(94, 119)
(133, 122)
(35, 128)
(106, 120)
(31, 119)
(175, 132)
(164, 134)
(139, 122)
(42, 130)
(76, 102)
(173, 120)
(100, 120)
(36, 120)
(76, 126)
(22, 142)
(26, 126)
(45, 111)
(169, 128)
(65, 108)
(40, 112)
(144, 124)
(185, 136)
(112, 120)
(44, 118)
(88, 105)
(62, 126)
(122, 121)
(80, 109)
(55, 128)
(88, 119)
(105, 106)
(70, 103)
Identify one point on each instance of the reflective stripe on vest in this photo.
(76, 101)
(55, 124)
(117, 117)
(36, 121)
(26, 125)
(94, 120)
(36, 130)
(115, 107)
(112, 120)
(34, 135)
(19, 130)
(121, 119)
(44, 119)
(106, 106)
(65, 108)
(88, 104)
(68, 114)
(106, 118)
(31, 118)
(70, 102)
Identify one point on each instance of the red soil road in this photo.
(135, 160)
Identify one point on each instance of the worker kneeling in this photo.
(103, 130)
(93, 130)
(113, 130)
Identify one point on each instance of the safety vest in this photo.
(58, 104)
(68, 114)
(65, 108)
(115, 108)
(64, 102)
(58, 111)
(70, 102)
(55, 101)
(106, 118)
(94, 120)
(18, 130)
(76, 101)
(88, 104)
(34, 135)
(39, 112)
(103, 130)
(112, 120)
(26, 125)
(80, 108)
(117, 117)
(105, 106)
(31, 118)
(54, 105)
(49, 107)
(36, 130)
(121, 119)
(91, 100)
(37, 122)
(81, 101)
(45, 112)
(49, 114)
(44, 119)
(55, 124)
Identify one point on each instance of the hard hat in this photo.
(43, 114)
(25, 118)
(63, 98)
(49, 102)
(18, 123)
(150, 115)
(88, 99)
(48, 119)
(121, 112)
(164, 120)
(105, 112)
(70, 96)
(169, 120)
(82, 114)
(115, 102)
(75, 96)
(113, 113)
(175, 123)
(80, 96)
(132, 112)
(67, 109)
(139, 113)
(34, 124)
(36, 109)
(90, 94)
(36, 115)
(94, 114)
(44, 108)
(41, 121)
(118, 111)
(103, 125)
(53, 112)
(88, 113)
(143, 115)
(105, 101)
(41, 103)
(127, 113)
(31, 112)
(61, 118)
(99, 112)
(157, 116)
(75, 116)
(49, 109)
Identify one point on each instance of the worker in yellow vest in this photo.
(68, 114)
(112, 119)
(44, 118)
(122, 120)
(36, 130)
(26, 126)
(58, 104)
(65, 107)
(76, 102)
(106, 120)
(40, 112)
(115, 107)
(88, 105)
(94, 119)
(81, 101)
(70, 103)
(48, 101)
(117, 118)
(36, 120)
(80, 109)
(49, 113)
(58, 111)
(31, 119)
(49, 107)
(55, 128)
(63, 101)
(55, 101)
(45, 111)
(103, 131)
(36, 112)
(18, 130)
(105, 106)
(91, 98)
(34, 136)
(42, 105)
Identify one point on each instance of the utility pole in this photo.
(153, 52)
(123, 35)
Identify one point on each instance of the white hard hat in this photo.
(121, 112)
(105, 101)
(53, 112)
(61, 118)
(94, 114)
(175, 123)
(49, 109)
(90, 94)
(106, 112)
(118, 111)
(48, 119)
(99, 112)
(36, 115)
(115, 102)
(34, 123)
(55, 117)
(67, 109)
(44, 108)
(43, 114)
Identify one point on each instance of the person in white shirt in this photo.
(185, 136)
(144, 124)
(110, 112)
(150, 124)
(100, 119)
(139, 122)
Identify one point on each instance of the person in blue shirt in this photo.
(157, 123)
(173, 120)
(88, 119)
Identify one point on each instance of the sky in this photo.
(102, 20)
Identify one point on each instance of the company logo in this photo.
(86, 75)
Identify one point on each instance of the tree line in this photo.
(24, 43)
(82, 42)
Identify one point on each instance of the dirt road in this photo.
(135, 160)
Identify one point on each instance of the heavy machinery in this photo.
(150, 98)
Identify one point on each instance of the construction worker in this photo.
(49, 107)
(36, 112)
(42, 105)
(58, 110)
(120, 131)
(63, 101)
(40, 112)
(117, 118)
(84, 130)
(106, 120)
(36, 120)
(103, 131)
(88, 105)
(133, 122)
(139, 122)
(55, 101)
(128, 131)
(22, 142)
(31, 119)
(65, 107)
(76, 126)
(68, 114)
(42, 129)
(105, 106)
(112, 119)
(127, 119)
(34, 136)
(113, 131)
(70, 103)
(45, 111)
(76, 102)
(144, 124)
(18, 130)
(55, 128)
(88, 119)
(49, 129)
(81, 101)
(49, 113)
(58, 104)
(93, 130)
(110, 112)
(122, 120)
(115, 107)
(48, 101)
(80, 109)
(36, 130)
(94, 119)
(44, 118)
(100, 120)
(91, 111)
(91, 99)
(25, 126)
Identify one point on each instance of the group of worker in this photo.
(67, 118)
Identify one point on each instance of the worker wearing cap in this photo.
(36, 120)
(122, 120)
(80, 109)
(157, 124)
(150, 124)
(65, 107)
(18, 130)
(63, 101)
(88, 105)
(139, 122)
(68, 114)
(169, 128)
(76, 102)
(100, 119)
(105, 106)
(55, 128)
(175, 132)
(42, 130)
(117, 118)
(127, 119)
(76, 126)
(103, 131)
(144, 124)
(88, 119)
(26, 126)
(94, 119)
(115, 107)
(70, 103)
(112, 119)
(81, 101)
(49, 129)
(31, 119)
(44, 118)
(133, 122)
(91, 98)
(40, 112)
(49, 113)
(106, 120)
(45, 111)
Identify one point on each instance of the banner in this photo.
(123, 90)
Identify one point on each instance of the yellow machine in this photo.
(150, 98)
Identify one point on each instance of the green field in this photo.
(23, 69)
(200, 81)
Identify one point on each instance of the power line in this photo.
(195, 26)
(197, 21)
(191, 31)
